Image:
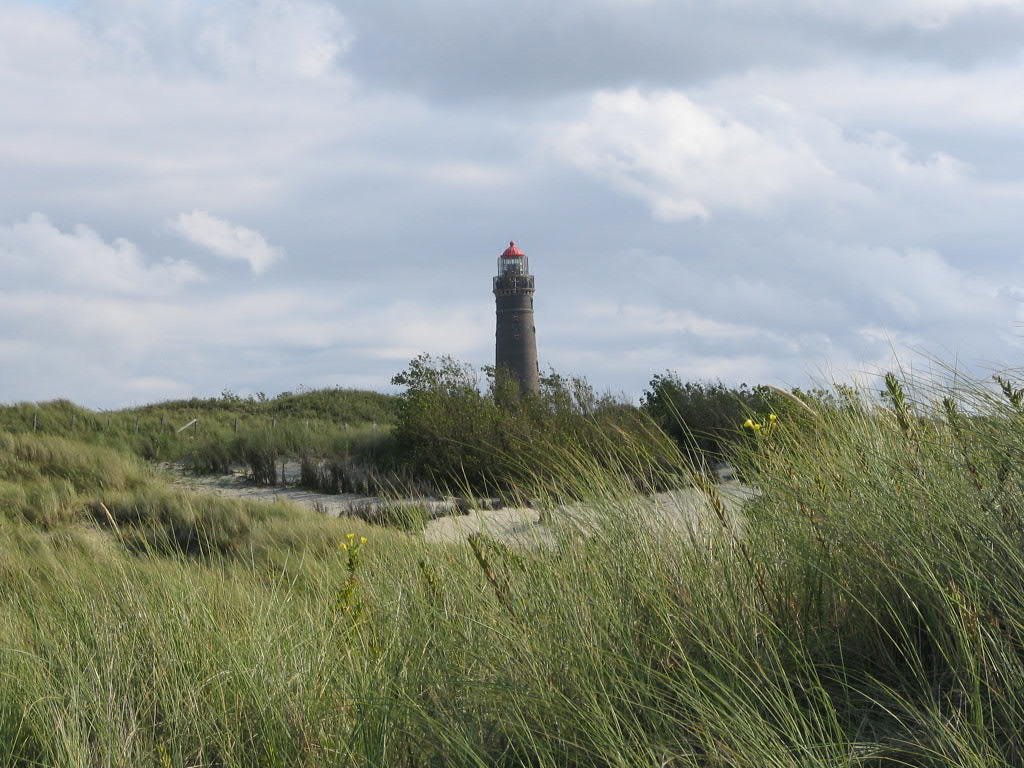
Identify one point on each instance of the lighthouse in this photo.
(515, 348)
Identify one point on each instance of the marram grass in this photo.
(866, 609)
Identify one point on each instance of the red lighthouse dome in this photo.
(512, 251)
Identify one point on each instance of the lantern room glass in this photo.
(513, 265)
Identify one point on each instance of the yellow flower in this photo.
(362, 539)
(757, 427)
(772, 418)
(350, 536)
(748, 424)
(344, 547)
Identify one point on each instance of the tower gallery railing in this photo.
(513, 283)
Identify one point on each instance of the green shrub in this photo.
(704, 418)
(462, 439)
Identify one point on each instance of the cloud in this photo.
(109, 350)
(780, 161)
(229, 38)
(230, 241)
(811, 181)
(867, 95)
(35, 252)
(303, 38)
(923, 14)
(471, 175)
(789, 312)
(683, 159)
(471, 52)
(186, 103)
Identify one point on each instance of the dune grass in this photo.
(867, 609)
(215, 434)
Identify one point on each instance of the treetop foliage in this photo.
(464, 432)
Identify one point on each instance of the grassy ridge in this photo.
(868, 611)
(63, 486)
(446, 433)
(332, 404)
(215, 434)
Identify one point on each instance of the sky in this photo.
(266, 195)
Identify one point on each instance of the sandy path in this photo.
(685, 509)
(518, 526)
(236, 486)
(512, 525)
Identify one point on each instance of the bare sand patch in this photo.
(687, 509)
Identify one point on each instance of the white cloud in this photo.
(109, 350)
(230, 241)
(813, 309)
(775, 159)
(984, 99)
(842, 176)
(233, 38)
(169, 104)
(303, 38)
(632, 320)
(926, 14)
(915, 285)
(35, 252)
(472, 175)
(922, 14)
(684, 159)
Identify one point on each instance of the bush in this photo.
(704, 418)
(465, 440)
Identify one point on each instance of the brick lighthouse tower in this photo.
(515, 349)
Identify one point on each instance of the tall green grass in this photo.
(59, 485)
(865, 608)
(217, 435)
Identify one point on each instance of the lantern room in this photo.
(513, 261)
